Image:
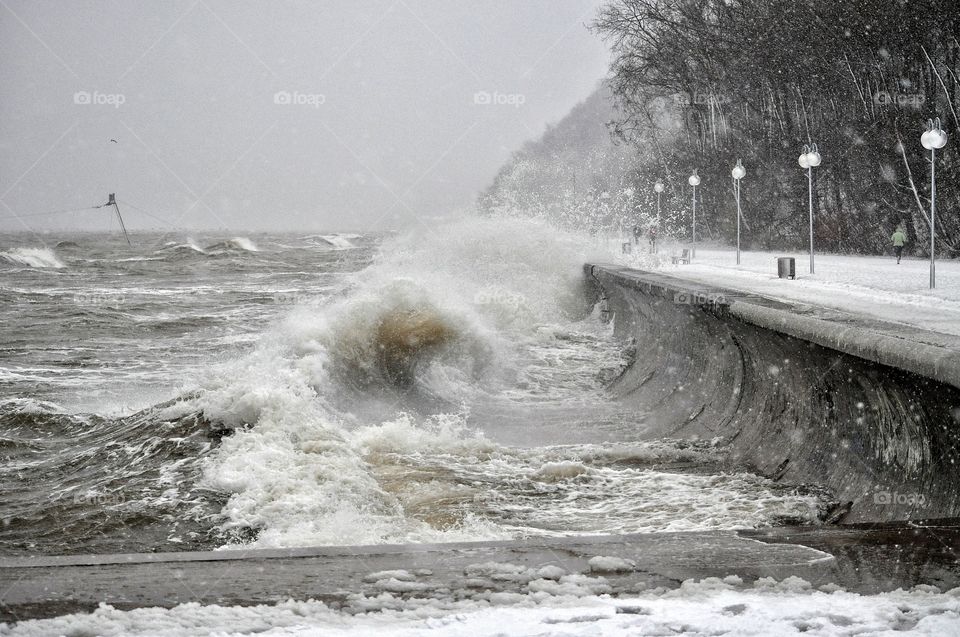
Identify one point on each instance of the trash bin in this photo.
(787, 268)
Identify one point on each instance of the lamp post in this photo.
(694, 181)
(658, 188)
(810, 159)
(933, 139)
(738, 173)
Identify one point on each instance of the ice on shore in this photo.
(605, 564)
(403, 576)
(711, 606)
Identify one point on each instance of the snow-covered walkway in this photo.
(869, 286)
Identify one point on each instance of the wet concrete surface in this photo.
(861, 558)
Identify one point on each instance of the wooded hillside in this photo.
(697, 84)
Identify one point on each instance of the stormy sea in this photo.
(279, 390)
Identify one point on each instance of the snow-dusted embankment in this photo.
(818, 397)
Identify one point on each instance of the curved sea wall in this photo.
(801, 394)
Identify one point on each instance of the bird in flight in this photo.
(114, 141)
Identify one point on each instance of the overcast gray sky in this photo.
(277, 115)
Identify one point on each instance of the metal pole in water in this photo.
(112, 201)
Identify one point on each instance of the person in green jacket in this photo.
(898, 239)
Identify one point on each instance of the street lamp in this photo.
(810, 159)
(738, 173)
(658, 188)
(694, 181)
(933, 139)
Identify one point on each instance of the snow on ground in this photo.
(707, 607)
(874, 286)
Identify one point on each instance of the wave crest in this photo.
(386, 337)
(432, 324)
(339, 241)
(236, 244)
(33, 257)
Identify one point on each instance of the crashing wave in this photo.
(339, 241)
(434, 319)
(183, 248)
(235, 244)
(32, 257)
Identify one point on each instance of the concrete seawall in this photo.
(805, 395)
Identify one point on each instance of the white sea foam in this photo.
(327, 452)
(245, 244)
(341, 241)
(29, 406)
(338, 241)
(571, 606)
(189, 244)
(32, 257)
(296, 472)
(235, 244)
(554, 471)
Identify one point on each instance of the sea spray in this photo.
(419, 319)
(32, 257)
(366, 419)
(301, 395)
